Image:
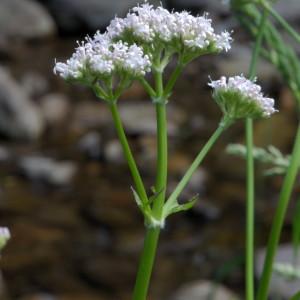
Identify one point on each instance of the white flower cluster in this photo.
(148, 24)
(100, 56)
(246, 90)
(130, 45)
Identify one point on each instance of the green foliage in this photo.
(287, 271)
(282, 55)
(296, 230)
(271, 156)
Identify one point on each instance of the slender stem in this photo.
(146, 264)
(162, 159)
(250, 206)
(173, 79)
(189, 173)
(296, 296)
(250, 212)
(257, 46)
(152, 235)
(147, 87)
(284, 197)
(127, 152)
(290, 30)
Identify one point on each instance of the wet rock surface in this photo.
(280, 287)
(202, 290)
(73, 15)
(20, 117)
(25, 19)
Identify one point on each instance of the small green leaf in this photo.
(175, 207)
(144, 208)
(137, 198)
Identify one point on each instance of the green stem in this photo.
(290, 30)
(284, 197)
(162, 159)
(127, 153)
(173, 79)
(296, 296)
(152, 235)
(257, 46)
(146, 264)
(250, 205)
(189, 173)
(147, 87)
(250, 212)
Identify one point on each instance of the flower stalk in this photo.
(128, 154)
(250, 203)
(278, 220)
(145, 41)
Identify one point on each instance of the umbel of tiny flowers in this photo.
(4, 236)
(105, 66)
(239, 97)
(145, 40)
(162, 33)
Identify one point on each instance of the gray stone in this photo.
(113, 152)
(48, 170)
(34, 84)
(39, 296)
(71, 15)
(90, 115)
(5, 154)
(91, 144)
(20, 118)
(24, 19)
(139, 118)
(237, 61)
(201, 290)
(280, 288)
(55, 108)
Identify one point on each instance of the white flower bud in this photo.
(240, 97)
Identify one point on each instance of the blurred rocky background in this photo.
(65, 187)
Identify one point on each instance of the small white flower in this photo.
(240, 97)
(100, 56)
(155, 25)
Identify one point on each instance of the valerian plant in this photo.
(258, 18)
(141, 46)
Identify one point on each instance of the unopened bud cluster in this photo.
(239, 97)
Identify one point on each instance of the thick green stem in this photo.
(127, 153)
(162, 159)
(284, 198)
(290, 30)
(250, 205)
(152, 235)
(162, 147)
(146, 264)
(189, 173)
